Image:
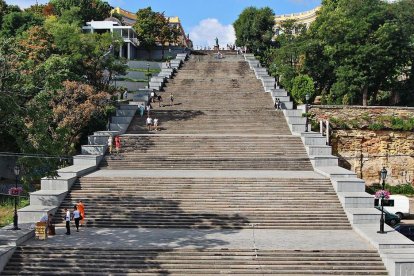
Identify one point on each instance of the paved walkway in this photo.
(205, 174)
(212, 239)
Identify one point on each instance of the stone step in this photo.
(348, 185)
(47, 260)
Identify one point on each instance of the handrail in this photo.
(324, 129)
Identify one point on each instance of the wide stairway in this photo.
(209, 203)
(223, 188)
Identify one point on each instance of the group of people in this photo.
(77, 215)
(152, 124)
(278, 104)
(117, 144)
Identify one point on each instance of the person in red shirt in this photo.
(117, 144)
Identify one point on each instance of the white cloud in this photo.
(205, 33)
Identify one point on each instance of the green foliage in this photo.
(374, 123)
(362, 47)
(254, 28)
(302, 86)
(286, 60)
(338, 123)
(406, 189)
(7, 209)
(16, 23)
(88, 9)
(376, 126)
(54, 88)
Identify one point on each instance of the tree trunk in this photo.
(365, 96)
(162, 52)
(395, 97)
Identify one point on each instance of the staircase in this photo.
(223, 171)
(210, 152)
(209, 203)
(94, 261)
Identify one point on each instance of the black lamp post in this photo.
(148, 75)
(15, 218)
(306, 111)
(383, 176)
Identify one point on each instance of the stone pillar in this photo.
(120, 51)
(128, 51)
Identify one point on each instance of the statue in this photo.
(217, 42)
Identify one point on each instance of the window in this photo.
(387, 202)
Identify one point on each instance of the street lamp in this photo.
(148, 66)
(306, 111)
(383, 176)
(15, 218)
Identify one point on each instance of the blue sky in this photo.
(205, 19)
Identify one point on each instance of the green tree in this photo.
(88, 9)
(254, 28)
(148, 27)
(15, 23)
(286, 59)
(167, 34)
(361, 43)
(302, 86)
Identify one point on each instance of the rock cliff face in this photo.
(365, 150)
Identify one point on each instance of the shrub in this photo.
(302, 85)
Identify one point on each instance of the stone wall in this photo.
(366, 151)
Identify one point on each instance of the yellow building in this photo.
(130, 18)
(305, 18)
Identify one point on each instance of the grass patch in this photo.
(7, 210)
(131, 80)
(143, 70)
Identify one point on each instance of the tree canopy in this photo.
(356, 52)
(254, 28)
(55, 80)
(152, 28)
(88, 9)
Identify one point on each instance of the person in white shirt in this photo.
(110, 143)
(76, 216)
(156, 124)
(149, 123)
(67, 220)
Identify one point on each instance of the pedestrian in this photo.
(156, 124)
(141, 110)
(125, 96)
(81, 208)
(159, 100)
(67, 220)
(76, 217)
(171, 99)
(110, 143)
(149, 123)
(277, 104)
(152, 96)
(148, 109)
(117, 144)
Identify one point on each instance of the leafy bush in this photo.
(402, 189)
(339, 123)
(302, 85)
(376, 126)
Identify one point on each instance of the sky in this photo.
(204, 20)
